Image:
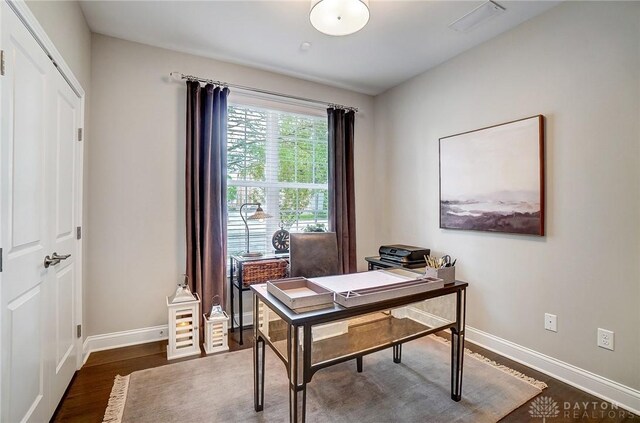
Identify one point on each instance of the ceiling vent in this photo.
(480, 14)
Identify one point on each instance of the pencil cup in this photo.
(447, 274)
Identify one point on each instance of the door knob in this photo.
(48, 261)
(54, 259)
(55, 256)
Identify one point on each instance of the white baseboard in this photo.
(125, 338)
(609, 390)
(599, 386)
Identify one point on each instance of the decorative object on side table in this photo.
(216, 323)
(492, 179)
(315, 227)
(442, 268)
(184, 311)
(259, 214)
(280, 240)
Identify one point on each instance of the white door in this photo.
(38, 190)
(62, 142)
(25, 240)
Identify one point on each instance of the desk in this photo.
(237, 264)
(301, 341)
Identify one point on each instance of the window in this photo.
(280, 160)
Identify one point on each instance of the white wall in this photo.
(136, 175)
(579, 65)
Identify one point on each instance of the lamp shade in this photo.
(259, 214)
(339, 17)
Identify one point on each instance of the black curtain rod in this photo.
(261, 91)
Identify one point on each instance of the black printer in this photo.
(404, 254)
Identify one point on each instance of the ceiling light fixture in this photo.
(339, 17)
(480, 14)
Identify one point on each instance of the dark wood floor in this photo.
(88, 394)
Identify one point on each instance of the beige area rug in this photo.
(220, 389)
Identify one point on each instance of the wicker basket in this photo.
(261, 271)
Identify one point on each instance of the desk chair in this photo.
(315, 254)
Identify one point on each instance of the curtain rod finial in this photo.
(177, 76)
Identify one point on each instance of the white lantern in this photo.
(216, 338)
(184, 312)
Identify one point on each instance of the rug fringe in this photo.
(117, 399)
(530, 380)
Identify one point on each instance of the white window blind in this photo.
(280, 160)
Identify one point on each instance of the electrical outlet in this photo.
(605, 339)
(551, 322)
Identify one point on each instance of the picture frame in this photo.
(492, 179)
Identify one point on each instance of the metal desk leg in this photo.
(240, 307)
(397, 353)
(297, 382)
(231, 287)
(359, 364)
(457, 346)
(258, 363)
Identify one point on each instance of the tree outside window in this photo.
(278, 159)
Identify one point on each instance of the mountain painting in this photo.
(492, 179)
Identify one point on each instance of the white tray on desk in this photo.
(378, 285)
(364, 296)
(297, 293)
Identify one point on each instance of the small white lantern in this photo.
(184, 312)
(216, 338)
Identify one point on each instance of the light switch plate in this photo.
(551, 322)
(606, 339)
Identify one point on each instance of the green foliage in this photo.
(302, 153)
(319, 227)
(232, 194)
(246, 144)
(303, 157)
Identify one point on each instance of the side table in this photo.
(245, 271)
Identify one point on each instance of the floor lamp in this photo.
(259, 214)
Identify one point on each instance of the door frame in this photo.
(33, 26)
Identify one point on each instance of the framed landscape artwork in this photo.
(492, 179)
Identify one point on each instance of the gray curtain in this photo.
(206, 191)
(342, 207)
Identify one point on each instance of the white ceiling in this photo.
(401, 40)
